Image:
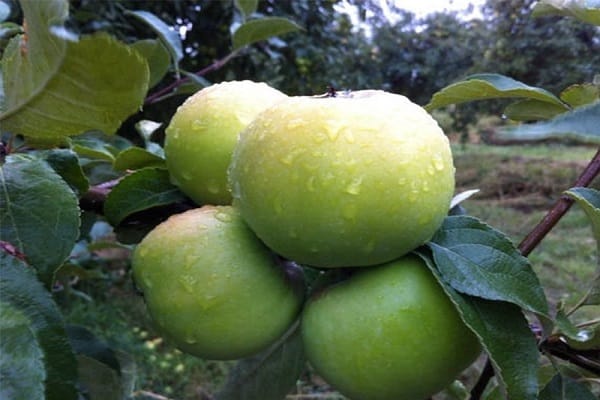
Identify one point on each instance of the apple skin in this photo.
(212, 288)
(342, 182)
(387, 332)
(201, 136)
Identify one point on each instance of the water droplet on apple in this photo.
(293, 234)
(198, 125)
(310, 184)
(353, 187)
(190, 338)
(295, 123)
(176, 133)
(223, 216)
(187, 282)
(212, 187)
(186, 176)
(278, 206)
(370, 246)
(425, 186)
(401, 181)
(438, 163)
(146, 281)
(431, 170)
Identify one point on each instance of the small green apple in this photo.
(212, 287)
(387, 332)
(202, 134)
(343, 181)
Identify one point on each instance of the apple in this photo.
(342, 181)
(201, 136)
(212, 288)
(387, 332)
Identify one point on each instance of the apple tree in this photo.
(63, 169)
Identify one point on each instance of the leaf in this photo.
(261, 29)
(489, 86)
(99, 146)
(269, 375)
(475, 259)
(39, 213)
(462, 196)
(91, 83)
(157, 57)
(580, 124)
(246, 7)
(137, 158)
(143, 189)
(22, 361)
(589, 200)
(584, 10)
(580, 95)
(565, 388)
(167, 35)
(532, 110)
(66, 163)
(104, 373)
(21, 291)
(504, 334)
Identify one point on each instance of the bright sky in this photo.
(424, 7)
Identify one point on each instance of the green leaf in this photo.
(532, 110)
(136, 158)
(39, 213)
(261, 29)
(21, 291)
(66, 163)
(589, 200)
(99, 381)
(489, 86)
(157, 57)
(269, 375)
(246, 7)
(143, 189)
(584, 10)
(504, 334)
(580, 124)
(168, 37)
(99, 146)
(100, 82)
(475, 259)
(565, 388)
(580, 95)
(22, 362)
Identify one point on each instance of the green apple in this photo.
(202, 134)
(387, 332)
(343, 181)
(212, 287)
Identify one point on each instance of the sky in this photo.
(424, 7)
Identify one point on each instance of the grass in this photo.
(518, 185)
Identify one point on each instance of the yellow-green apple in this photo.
(202, 134)
(342, 181)
(212, 288)
(387, 332)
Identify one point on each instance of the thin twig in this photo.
(154, 97)
(559, 209)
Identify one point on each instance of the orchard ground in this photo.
(518, 185)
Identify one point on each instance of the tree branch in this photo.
(155, 97)
(533, 239)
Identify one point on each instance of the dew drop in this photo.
(370, 246)
(354, 187)
(438, 163)
(295, 123)
(310, 184)
(278, 206)
(187, 282)
(186, 176)
(223, 216)
(198, 125)
(190, 338)
(430, 170)
(213, 187)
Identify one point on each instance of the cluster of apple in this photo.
(355, 179)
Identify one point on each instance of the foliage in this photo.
(77, 152)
